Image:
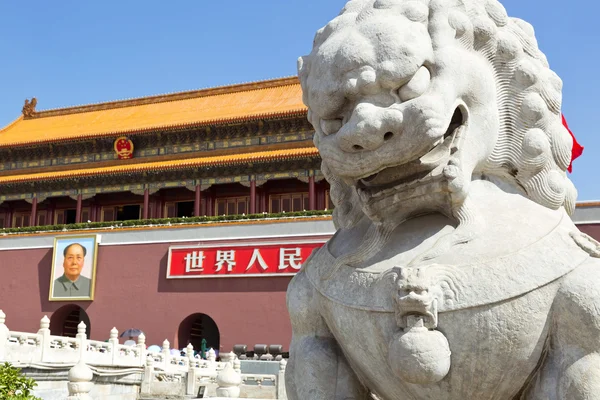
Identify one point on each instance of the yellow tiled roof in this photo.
(167, 165)
(228, 104)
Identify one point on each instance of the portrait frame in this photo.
(59, 284)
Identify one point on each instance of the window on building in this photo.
(180, 209)
(21, 219)
(126, 213)
(121, 213)
(41, 218)
(232, 205)
(185, 209)
(289, 202)
(68, 216)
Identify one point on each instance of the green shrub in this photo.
(165, 221)
(15, 386)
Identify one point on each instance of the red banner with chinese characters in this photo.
(239, 259)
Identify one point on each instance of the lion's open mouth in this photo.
(390, 179)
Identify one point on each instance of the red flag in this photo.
(577, 148)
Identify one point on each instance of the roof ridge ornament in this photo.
(29, 107)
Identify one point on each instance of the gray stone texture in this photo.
(456, 272)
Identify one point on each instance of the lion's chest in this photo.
(493, 348)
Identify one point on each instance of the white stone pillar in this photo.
(148, 375)
(114, 341)
(191, 376)
(44, 333)
(141, 344)
(281, 393)
(166, 351)
(211, 356)
(3, 336)
(190, 354)
(228, 382)
(80, 382)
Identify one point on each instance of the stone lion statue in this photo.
(456, 272)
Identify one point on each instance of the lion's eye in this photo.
(416, 86)
(330, 126)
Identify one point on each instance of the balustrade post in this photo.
(114, 344)
(191, 377)
(80, 382)
(82, 340)
(166, 355)
(141, 344)
(281, 393)
(228, 382)
(211, 355)
(44, 333)
(190, 353)
(3, 336)
(148, 375)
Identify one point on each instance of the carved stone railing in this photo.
(162, 371)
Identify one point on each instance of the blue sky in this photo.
(78, 52)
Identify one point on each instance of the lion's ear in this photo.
(300, 65)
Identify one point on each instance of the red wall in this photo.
(132, 292)
(591, 229)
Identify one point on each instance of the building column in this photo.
(252, 197)
(146, 203)
(50, 214)
(156, 207)
(210, 204)
(263, 200)
(78, 210)
(311, 193)
(9, 215)
(197, 202)
(33, 217)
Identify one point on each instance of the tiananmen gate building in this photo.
(194, 209)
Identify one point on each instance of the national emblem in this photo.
(123, 147)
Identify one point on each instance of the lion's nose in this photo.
(369, 128)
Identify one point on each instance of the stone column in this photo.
(80, 376)
(281, 393)
(211, 356)
(78, 210)
(191, 377)
(166, 352)
(141, 344)
(44, 332)
(80, 382)
(3, 335)
(252, 197)
(146, 203)
(114, 341)
(146, 386)
(33, 217)
(311, 193)
(197, 202)
(229, 382)
(9, 215)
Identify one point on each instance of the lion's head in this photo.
(413, 99)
